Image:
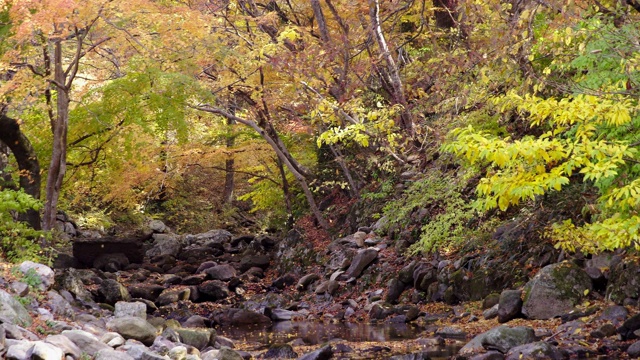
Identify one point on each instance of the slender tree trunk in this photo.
(229, 166)
(322, 23)
(287, 194)
(405, 122)
(58, 165)
(18, 143)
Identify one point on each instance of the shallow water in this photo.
(315, 333)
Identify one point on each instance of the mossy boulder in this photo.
(624, 281)
(555, 290)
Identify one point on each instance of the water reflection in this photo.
(315, 333)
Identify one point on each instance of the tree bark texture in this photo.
(397, 91)
(58, 165)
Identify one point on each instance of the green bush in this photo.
(18, 241)
(445, 225)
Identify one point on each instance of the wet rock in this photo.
(323, 353)
(537, 350)
(240, 317)
(213, 290)
(280, 314)
(196, 321)
(501, 338)
(87, 250)
(510, 305)
(13, 311)
(112, 291)
(86, 342)
(362, 259)
(131, 327)
(42, 273)
(412, 313)
(629, 327)
(624, 281)
(280, 351)
(223, 272)
(380, 311)
(306, 280)
(634, 350)
(451, 332)
(148, 292)
(555, 290)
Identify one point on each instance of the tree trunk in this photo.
(58, 165)
(12, 136)
(229, 166)
(397, 91)
(287, 195)
(322, 23)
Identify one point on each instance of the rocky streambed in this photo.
(219, 296)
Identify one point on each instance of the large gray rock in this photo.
(629, 327)
(40, 271)
(70, 280)
(137, 309)
(165, 244)
(44, 351)
(211, 238)
(110, 354)
(510, 305)
(555, 290)
(223, 272)
(112, 291)
(59, 305)
(362, 259)
(198, 338)
(502, 338)
(12, 310)
(18, 349)
(86, 342)
(131, 327)
(534, 351)
(65, 344)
